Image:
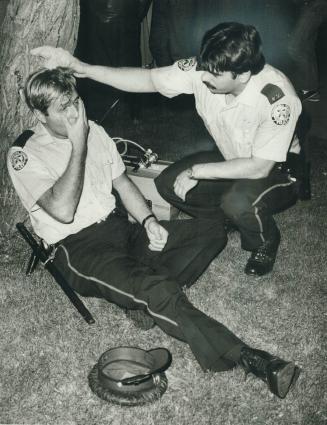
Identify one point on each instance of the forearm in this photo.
(62, 199)
(137, 80)
(132, 198)
(239, 168)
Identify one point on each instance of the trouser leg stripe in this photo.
(269, 189)
(113, 288)
(260, 223)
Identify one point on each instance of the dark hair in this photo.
(45, 85)
(231, 46)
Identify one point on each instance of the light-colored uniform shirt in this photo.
(37, 166)
(253, 124)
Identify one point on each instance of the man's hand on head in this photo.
(184, 183)
(56, 56)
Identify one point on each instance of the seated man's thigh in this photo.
(192, 244)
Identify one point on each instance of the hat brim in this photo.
(130, 376)
(149, 395)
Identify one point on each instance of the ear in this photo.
(39, 116)
(244, 77)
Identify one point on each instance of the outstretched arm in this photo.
(136, 80)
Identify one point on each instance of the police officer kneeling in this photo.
(251, 110)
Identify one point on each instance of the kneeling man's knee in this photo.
(235, 204)
(165, 183)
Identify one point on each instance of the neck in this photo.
(238, 90)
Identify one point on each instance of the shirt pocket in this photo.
(241, 128)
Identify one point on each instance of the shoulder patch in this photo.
(18, 160)
(281, 113)
(22, 139)
(186, 64)
(272, 93)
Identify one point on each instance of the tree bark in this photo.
(27, 24)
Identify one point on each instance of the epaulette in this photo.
(22, 139)
(272, 93)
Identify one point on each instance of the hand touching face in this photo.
(66, 118)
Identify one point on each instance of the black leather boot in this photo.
(262, 260)
(278, 374)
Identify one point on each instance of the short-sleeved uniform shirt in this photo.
(35, 168)
(259, 122)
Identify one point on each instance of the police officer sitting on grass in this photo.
(249, 108)
(64, 171)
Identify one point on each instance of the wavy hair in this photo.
(45, 85)
(231, 46)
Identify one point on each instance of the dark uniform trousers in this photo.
(111, 260)
(248, 203)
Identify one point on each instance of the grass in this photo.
(47, 350)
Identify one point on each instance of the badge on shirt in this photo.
(280, 114)
(186, 64)
(18, 160)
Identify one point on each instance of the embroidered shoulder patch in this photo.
(18, 160)
(272, 93)
(186, 64)
(281, 113)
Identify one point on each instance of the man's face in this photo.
(221, 83)
(61, 109)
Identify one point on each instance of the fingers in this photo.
(56, 56)
(179, 189)
(81, 108)
(49, 54)
(157, 245)
(82, 117)
(158, 236)
(81, 113)
(66, 123)
(183, 184)
(53, 56)
(42, 51)
(179, 186)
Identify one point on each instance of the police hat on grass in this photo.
(130, 376)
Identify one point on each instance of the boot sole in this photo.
(286, 378)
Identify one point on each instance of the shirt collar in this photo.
(249, 96)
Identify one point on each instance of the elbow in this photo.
(65, 216)
(262, 174)
(63, 212)
(66, 220)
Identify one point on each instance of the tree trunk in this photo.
(27, 24)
